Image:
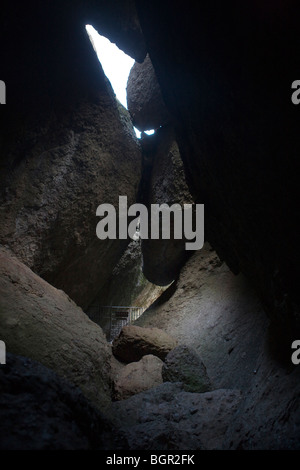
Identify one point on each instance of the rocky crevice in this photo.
(206, 79)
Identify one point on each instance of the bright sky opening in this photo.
(116, 66)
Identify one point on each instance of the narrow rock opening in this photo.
(115, 63)
(113, 299)
(116, 66)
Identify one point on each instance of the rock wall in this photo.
(50, 413)
(42, 323)
(66, 147)
(169, 418)
(145, 102)
(163, 182)
(220, 317)
(225, 72)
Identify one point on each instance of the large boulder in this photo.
(138, 376)
(41, 322)
(134, 342)
(144, 99)
(169, 418)
(183, 364)
(163, 182)
(66, 147)
(40, 411)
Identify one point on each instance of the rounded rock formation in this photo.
(69, 150)
(134, 342)
(40, 411)
(42, 323)
(138, 376)
(184, 365)
(164, 182)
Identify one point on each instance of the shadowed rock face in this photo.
(163, 182)
(50, 198)
(67, 146)
(41, 322)
(167, 417)
(225, 72)
(218, 315)
(40, 411)
(144, 98)
(127, 285)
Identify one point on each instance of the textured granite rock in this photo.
(144, 99)
(138, 376)
(183, 364)
(168, 418)
(41, 322)
(40, 411)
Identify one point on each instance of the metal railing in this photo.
(112, 318)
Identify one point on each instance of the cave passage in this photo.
(137, 344)
(116, 66)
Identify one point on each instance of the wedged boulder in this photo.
(41, 322)
(144, 99)
(183, 364)
(40, 411)
(138, 376)
(167, 417)
(164, 182)
(134, 342)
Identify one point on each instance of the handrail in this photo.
(117, 306)
(111, 322)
